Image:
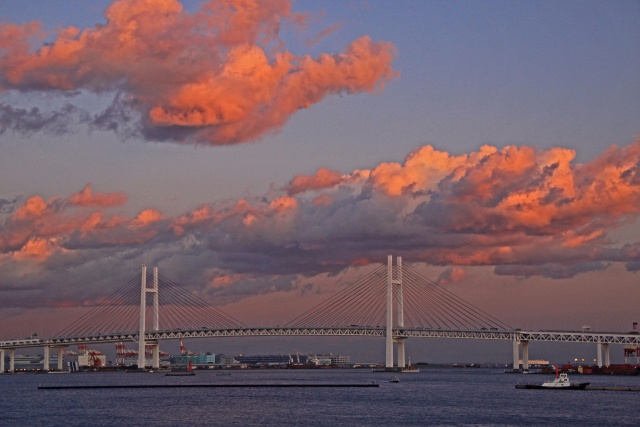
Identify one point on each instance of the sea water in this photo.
(432, 396)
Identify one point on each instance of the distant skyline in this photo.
(267, 154)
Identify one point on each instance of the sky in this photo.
(267, 154)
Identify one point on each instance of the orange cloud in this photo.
(423, 169)
(37, 249)
(38, 228)
(323, 178)
(452, 275)
(86, 198)
(32, 209)
(147, 216)
(283, 204)
(522, 210)
(220, 75)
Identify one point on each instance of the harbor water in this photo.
(465, 396)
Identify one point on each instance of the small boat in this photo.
(560, 382)
(394, 380)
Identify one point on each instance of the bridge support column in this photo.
(155, 346)
(155, 363)
(400, 300)
(155, 353)
(12, 360)
(143, 312)
(389, 329)
(604, 346)
(516, 354)
(599, 354)
(1, 361)
(390, 339)
(45, 360)
(60, 357)
(525, 355)
(401, 354)
(155, 350)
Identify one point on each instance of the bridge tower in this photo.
(142, 342)
(390, 339)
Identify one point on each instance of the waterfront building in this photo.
(195, 359)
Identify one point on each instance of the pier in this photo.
(88, 387)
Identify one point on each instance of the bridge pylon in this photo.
(399, 302)
(142, 343)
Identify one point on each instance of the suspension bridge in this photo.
(393, 302)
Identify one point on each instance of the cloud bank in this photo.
(523, 211)
(220, 75)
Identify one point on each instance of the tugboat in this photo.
(560, 382)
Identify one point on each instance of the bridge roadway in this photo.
(516, 335)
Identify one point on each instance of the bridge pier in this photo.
(390, 339)
(142, 344)
(143, 317)
(400, 352)
(607, 359)
(155, 353)
(516, 355)
(389, 329)
(517, 344)
(60, 358)
(47, 357)
(45, 360)
(400, 302)
(525, 355)
(12, 359)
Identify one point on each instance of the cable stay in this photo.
(119, 313)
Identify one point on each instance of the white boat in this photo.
(394, 380)
(560, 382)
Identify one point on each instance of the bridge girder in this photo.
(518, 335)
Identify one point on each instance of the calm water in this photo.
(430, 397)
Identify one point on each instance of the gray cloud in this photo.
(27, 121)
(7, 206)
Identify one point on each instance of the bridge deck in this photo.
(377, 331)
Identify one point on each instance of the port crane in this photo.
(183, 349)
(94, 359)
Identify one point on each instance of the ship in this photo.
(560, 382)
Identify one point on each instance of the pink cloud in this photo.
(220, 75)
(452, 275)
(523, 211)
(323, 178)
(86, 198)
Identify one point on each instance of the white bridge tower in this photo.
(390, 339)
(142, 342)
